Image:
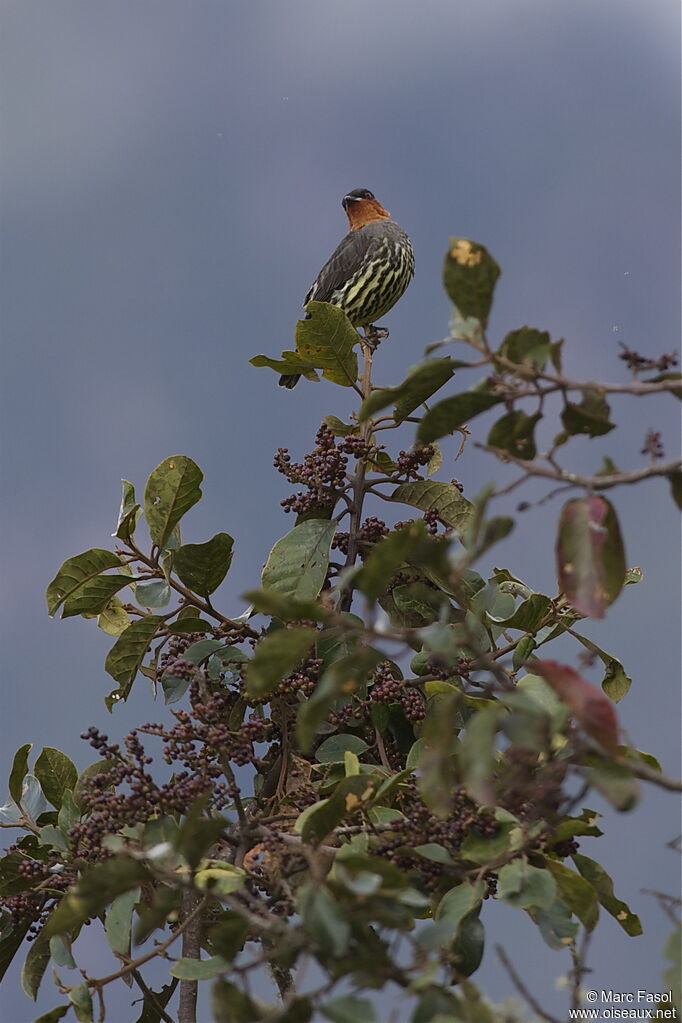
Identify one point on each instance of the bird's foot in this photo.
(375, 335)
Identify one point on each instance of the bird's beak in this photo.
(347, 199)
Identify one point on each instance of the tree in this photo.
(380, 745)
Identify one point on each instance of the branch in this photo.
(358, 482)
(191, 949)
(561, 383)
(158, 950)
(521, 987)
(152, 997)
(574, 479)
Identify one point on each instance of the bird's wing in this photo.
(346, 259)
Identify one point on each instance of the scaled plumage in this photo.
(368, 271)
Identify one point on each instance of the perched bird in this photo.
(368, 271)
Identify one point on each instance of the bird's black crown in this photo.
(357, 193)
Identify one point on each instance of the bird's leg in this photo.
(374, 335)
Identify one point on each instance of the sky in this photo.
(171, 183)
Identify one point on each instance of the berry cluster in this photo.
(171, 661)
(388, 689)
(642, 363)
(322, 472)
(408, 463)
(303, 680)
(420, 826)
(529, 786)
(371, 531)
(44, 872)
(653, 445)
(126, 793)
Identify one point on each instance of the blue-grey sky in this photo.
(171, 183)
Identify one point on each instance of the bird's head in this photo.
(362, 208)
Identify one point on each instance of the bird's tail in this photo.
(289, 380)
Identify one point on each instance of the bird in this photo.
(368, 271)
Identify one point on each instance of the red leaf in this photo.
(587, 703)
(590, 555)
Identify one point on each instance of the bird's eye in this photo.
(366, 194)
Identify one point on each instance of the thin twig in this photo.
(576, 479)
(521, 987)
(151, 996)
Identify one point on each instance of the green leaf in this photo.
(19, 771)
(339, 428)
(54, 1015)
(199, 969)
(153, 593)
(189, 625)
(459, 901)
(119, 919)
(421, 382)
(419, 603)
(349, 1009)
(276, 655)
(436, 766)
(203, 648)
(95, 890)
(603, 885)
(616, 682)
(114, 619)
(60, 950)
(477, 754)
(232, 1005)
(615, 781)
(171, 490)
(412, 543)
(126, 655)
(332, 750)
(297, 564)
(556, 926)
(35, 965)
(129, 512)
(530, 615)
(444, 498)
(55, 837)
(326, 339)
(154, 1001)
(525, 886)
(591, 416)
(590, 555)
(434, 852)
(576, 892)
(81, 999)
(316, 821)
(94, 596)
(467, 949)
(227, 937)
(219, 877)
(451, 413)
(56, 773)
(527, 346)
(287, 609)
(289, 364)
(77, 571)
(675, 481)
(203, 566)
(514, 433)
(325, 920)
(469, 276)
(10, 945)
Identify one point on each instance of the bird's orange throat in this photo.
(364, 211)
